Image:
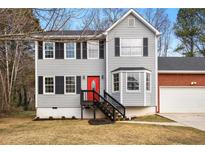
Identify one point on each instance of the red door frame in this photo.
(90, 95)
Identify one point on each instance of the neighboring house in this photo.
(122, 61)
(181, 85)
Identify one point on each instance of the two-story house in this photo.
(121, 61)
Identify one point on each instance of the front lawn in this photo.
(152, 118)
(20, 129)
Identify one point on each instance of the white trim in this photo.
(98, 57)
(134, 22)
(65, 56)
(182, 71)
(44, 89)
(139, 17)
(156, 73)
(106, 65)
(145, 89)
(36, 78)
(44, 50)
(113, 83)
(141, 55)
(134, 91)
(67, 93)
(121, 87)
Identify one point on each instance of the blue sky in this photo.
(172, 14)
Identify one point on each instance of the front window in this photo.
(148, 85)
(93, 49)
(116, 82)
(49, 50)
(49, 85)
(70, 84)
(133, 81)
(131, 47)
(70, 50)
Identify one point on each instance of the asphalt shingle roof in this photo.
(129, 69)
(181, 63)
(73, 32)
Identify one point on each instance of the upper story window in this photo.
(116, 82)
(93, 49)
(148, 81)
(49, 85)
(133, 82)
(49, 50)
(131, 22)
(70, 50)
(131, 47)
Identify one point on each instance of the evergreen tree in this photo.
(190, 29)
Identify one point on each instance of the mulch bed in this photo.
(100, 121)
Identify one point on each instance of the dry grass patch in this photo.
(152, 118)
(25, 131)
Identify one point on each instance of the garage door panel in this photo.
(182, 100)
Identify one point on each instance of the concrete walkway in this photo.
(188, 119)
(153, 123)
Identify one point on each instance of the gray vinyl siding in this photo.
(77, 67)
(140, 31)
(133, 98)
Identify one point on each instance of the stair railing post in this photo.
(113, 114)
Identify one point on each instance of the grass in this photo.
(20, 129)
(152, 118)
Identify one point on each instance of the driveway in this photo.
(188, 119)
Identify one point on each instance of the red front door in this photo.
(93, 83)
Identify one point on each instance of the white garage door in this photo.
(182, 99)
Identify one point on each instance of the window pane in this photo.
(49, 85)
(70, 50)
(148, 81)
(132, 81)
(48, 50)
(93, 49)
(116, 82)
(131, 47)
(70, 84)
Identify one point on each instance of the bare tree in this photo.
(16, 29)
(159, 19)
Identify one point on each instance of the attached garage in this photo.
(182, 99)
(181, 85)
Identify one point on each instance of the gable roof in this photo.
(181, 64)
(139, 17)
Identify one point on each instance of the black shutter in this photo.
(117, 47)
(59, 84)
(78, 80)
(40, 50)
(59, 50)
(40, 85)
(145, 47)
(84, 50)
(78, 50)
(102, 48)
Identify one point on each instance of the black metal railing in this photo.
(118, 105)
(110, 109)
